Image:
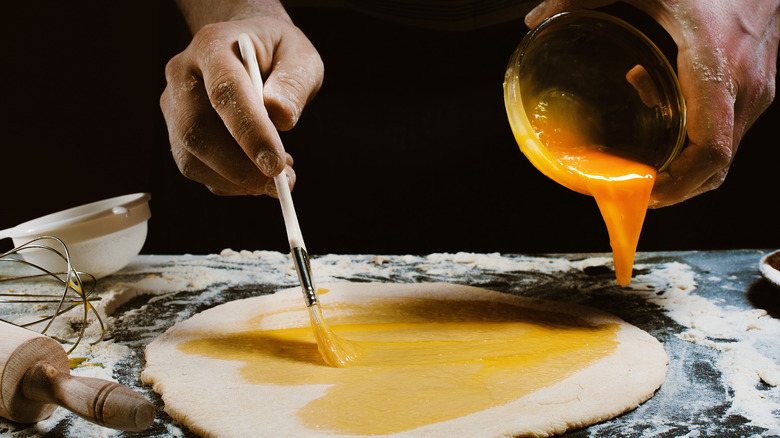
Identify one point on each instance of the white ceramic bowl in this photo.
(770, 267)
(102, 237)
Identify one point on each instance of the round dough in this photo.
(213, 397)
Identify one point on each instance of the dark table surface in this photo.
(718, 319)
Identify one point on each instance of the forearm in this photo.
(198, 13)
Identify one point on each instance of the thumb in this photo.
(292, 83)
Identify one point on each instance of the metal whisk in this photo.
(68, 291)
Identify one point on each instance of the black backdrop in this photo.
(406, 149)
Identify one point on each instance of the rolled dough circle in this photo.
(211, 397)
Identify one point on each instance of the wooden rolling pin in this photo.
(35, 378)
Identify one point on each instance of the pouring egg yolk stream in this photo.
(561, 142)
(622, 189)
(595, 105)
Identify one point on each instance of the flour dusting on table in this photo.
(714, 341)
(746, 340)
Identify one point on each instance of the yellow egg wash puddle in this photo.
(418, 361)
(620, 184)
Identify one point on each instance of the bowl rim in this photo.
(88, 220)
(768, 269)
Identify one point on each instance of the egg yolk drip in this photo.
(620, 184)
(419, 361)
(622, 189)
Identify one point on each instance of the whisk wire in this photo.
(65, 301)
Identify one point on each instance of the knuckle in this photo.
(191, 137)
(720, 154)
(186, 163)
(182, 82)
(758, 79)
(715, 181)
(223, 92)
(209, 38)
(186, 131)
(244, 130)
(174, 67)
(165, 102)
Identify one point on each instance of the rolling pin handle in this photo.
(100, 401)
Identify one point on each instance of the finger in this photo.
(196, 128)
(271, 188)
(710, 96)
(240, 108)
(694, 172)
(548, 8)
(191, 167)
(294, 81)
(758, 79)
(712, 183)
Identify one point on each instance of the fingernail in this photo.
(268, 162)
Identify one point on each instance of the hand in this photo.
(222, 133)
(726, 64)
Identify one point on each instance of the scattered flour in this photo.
(741, 337)
(743, 341)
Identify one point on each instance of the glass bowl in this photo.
(601, 76)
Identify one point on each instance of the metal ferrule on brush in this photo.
(301, 260)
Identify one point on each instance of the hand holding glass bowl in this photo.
(590, 72)
(595, 106)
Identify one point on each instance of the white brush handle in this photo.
(294, 236)
(249, 56)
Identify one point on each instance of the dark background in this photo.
(406, 148)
